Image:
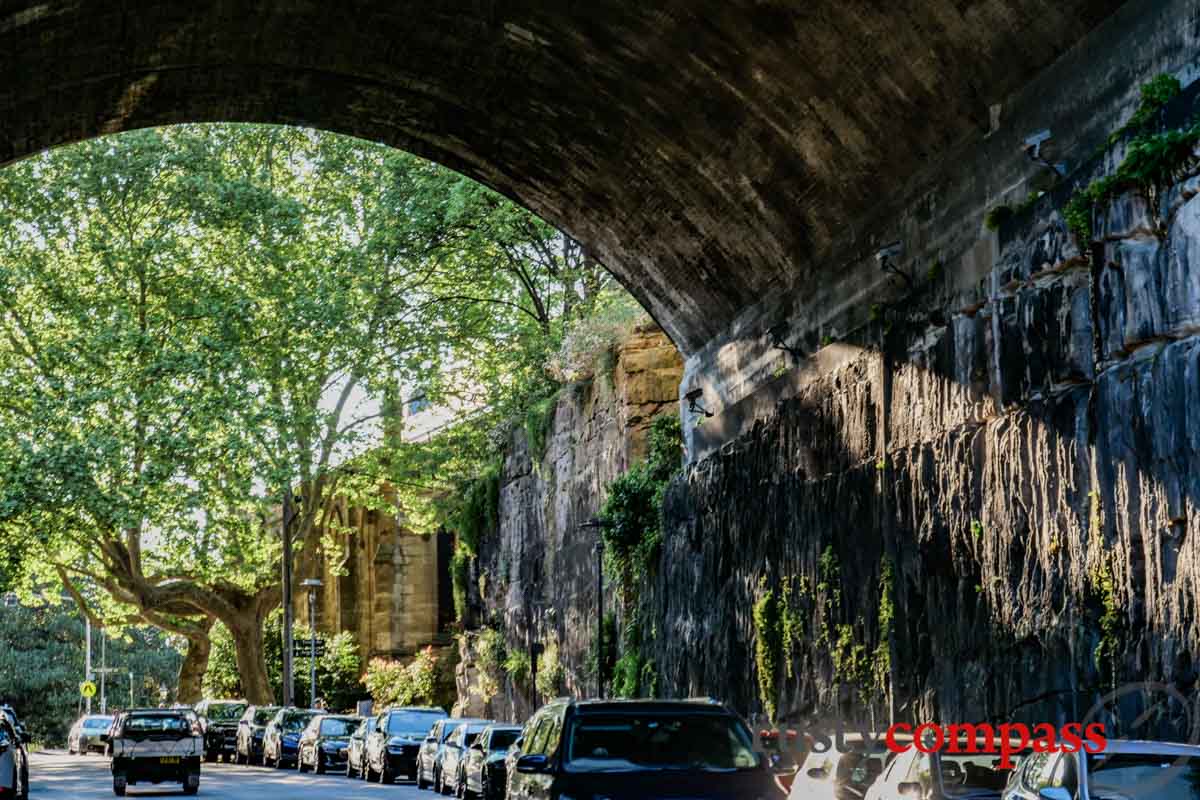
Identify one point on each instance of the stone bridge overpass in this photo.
(736, 163)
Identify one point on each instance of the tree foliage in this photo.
(42, 656)
(338, 670)
(427, 680)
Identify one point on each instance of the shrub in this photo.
(428, 679)
(631, 517)
(550, 673)
(588, 347)
(518, 667)
(489, 660)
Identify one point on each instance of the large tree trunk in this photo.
(191, 672)
(247, 632)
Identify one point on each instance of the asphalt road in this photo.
(54, 775)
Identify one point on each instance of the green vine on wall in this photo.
(768, 645)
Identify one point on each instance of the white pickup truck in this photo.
(155, 746)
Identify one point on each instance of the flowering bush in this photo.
(426, 680)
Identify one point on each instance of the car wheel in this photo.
(385, 773)
(421, 783)
(438, 786)
(191, 784)
(300, 761)
(368, 772)
(320, 768)
(119, 784)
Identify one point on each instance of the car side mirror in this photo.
(1054, 793)
(431, 740)
(26, 738)
(911, 789)
(104, 737)
(818, 773)
(533, 764)
(477, 746)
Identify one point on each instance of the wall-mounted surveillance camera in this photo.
(1033, 144)
(694, 407)
(889, 252)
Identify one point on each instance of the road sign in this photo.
(87, 689)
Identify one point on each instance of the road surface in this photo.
(54, 775)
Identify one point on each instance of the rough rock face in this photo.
(1029, 464)
(535, 577)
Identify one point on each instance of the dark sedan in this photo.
(281, 741)
(325, 742)
(252, 727)
(483, 769)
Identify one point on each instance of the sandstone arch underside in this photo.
(709, 153)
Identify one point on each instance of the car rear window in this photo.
(1143, 776)
(335, 726)
(968, 774)
(414, 724)
(97, 723)
(620, 742)
(295, 721)
(226, 712)
(501, 740)
(263, 715)
(157, 723)
(449, 728)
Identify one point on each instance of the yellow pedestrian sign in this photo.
(87, 689)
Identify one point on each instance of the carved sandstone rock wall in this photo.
(535, 578)
(1029, 462)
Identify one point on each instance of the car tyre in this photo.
(119, 784)
(421, 784)
(300, 767)
(368, 772)
(191, 784)
(385, 773)
(320, 767)
(439, 786)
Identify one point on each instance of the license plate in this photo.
(169, 760)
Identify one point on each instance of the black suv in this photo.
(639, 748)
(219, 721)
(393, 740)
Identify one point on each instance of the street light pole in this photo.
(289, 689)
(312, 584)
(103, 671)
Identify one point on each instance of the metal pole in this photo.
(87, 670)
(599, 620)
(131, 690)
(312, 643)
(289, 693)
(103, 671)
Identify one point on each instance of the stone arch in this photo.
(709, 153)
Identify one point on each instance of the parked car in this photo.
(219, 722)
(429, 758)
(943, 775)
(640, 748)
(15, 721)
(325, 741)
(843, 772)
(85, 735)
(1126, 770)
(155, 746)
(281, 740)
(14, 761)
(251, 729)
(483, 770)
(454, 755)
(356, 750)
(394, 741)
